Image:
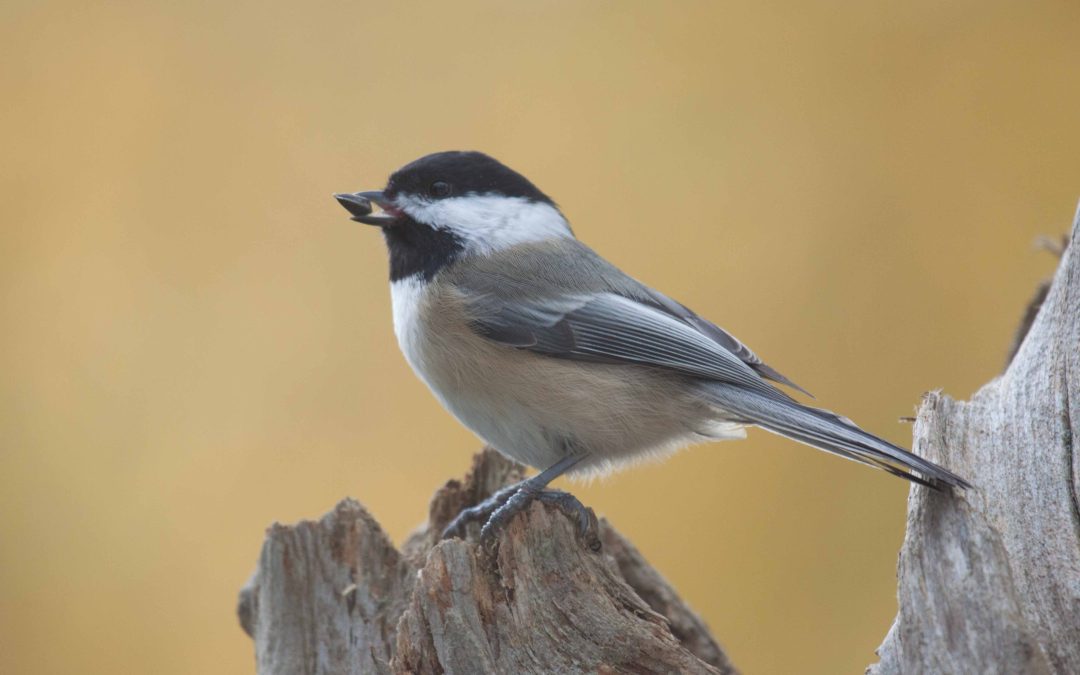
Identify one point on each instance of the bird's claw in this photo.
(478, 513)
(499, 509)
(588, 526)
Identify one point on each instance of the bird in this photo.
(557, 358)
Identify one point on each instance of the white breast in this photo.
(409, 297)
(467, 374)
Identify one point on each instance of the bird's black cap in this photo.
(457, 173)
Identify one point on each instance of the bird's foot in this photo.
(582, 516)
(479, 513)
(500, 508)
(588, 526)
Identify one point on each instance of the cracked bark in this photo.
(989, 580)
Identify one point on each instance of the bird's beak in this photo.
(359, 205)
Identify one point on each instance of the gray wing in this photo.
(611, 328)
(722, 337)
(566, 301)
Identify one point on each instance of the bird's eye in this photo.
(440, 188)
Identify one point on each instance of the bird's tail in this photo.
(830, 432)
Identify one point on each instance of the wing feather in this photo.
(608, 327)
(565, 300)
(722, 337)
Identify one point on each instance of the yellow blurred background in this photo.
(197, 341)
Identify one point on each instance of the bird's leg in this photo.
(502, 506)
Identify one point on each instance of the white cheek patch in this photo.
(488, 223)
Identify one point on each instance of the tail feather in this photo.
(828, 431)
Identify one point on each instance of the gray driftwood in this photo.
(989, 580)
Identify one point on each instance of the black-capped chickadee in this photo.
(557, 358)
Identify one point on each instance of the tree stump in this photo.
(989, 579)
(335, 596)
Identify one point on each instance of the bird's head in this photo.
(465, 199)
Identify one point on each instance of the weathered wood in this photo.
(989, 582)
(334, 596)
(326, 595)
